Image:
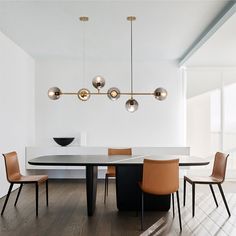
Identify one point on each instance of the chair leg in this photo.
(18, 194)
(193, 199)
(173, 204)
(105, 190)
(223, 196)
(37, 197)
(142, 209)
(180, 222)
(46, 183)
(184, 192)
(8, 195)
(214, 196)
(107, 184)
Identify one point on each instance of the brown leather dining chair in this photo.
(111, 171)
(216, 178)
(160, 177)
(15, 177)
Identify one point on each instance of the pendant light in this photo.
(84, 93)
(131, 105)
(98, 81)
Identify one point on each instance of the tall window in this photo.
(211, 114)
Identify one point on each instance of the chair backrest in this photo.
(219, 167)
(12, 166)
(117, 151)
(160, 176)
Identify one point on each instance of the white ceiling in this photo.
(163, 30)
(220, 49)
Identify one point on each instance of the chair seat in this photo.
(203, 179)
(110, 174)
(155, 192)
(29, 178)
(140, 184)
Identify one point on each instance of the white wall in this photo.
(16, 103)
(202, 80)
(107, 123)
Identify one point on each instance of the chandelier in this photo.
(113, 93)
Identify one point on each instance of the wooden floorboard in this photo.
(67, 214)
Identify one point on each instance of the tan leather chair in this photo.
(160, 178)
(217, 177)
(111, 171)
(15, 177)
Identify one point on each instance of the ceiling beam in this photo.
(224, 15)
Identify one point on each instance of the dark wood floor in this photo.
(67, 215)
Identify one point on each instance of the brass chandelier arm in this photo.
(113, 93)
(129, 93)
(68, 93)
(137, 93)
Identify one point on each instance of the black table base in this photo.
(91, 188)
(128, 194)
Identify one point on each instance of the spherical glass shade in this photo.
(83, 94)
(98, 82)
(160, 94)
(113, 93)
(54, 93)
(131, 105)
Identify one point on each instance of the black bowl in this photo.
(63, 141)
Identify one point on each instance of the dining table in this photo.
(128, 175)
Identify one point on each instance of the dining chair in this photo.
(160, 177)
(111, 171)
(15, 177)
(216, 178)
